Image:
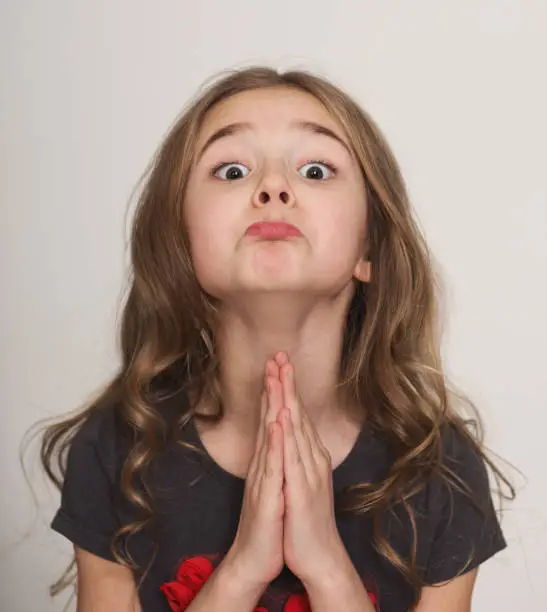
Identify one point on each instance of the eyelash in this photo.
(331, 168)
(226, 163)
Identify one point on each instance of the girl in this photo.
(279, 435)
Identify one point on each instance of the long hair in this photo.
(390, 363)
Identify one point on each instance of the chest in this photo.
(198, 505)
(232, 451)
(201, 525)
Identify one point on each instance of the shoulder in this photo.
(96, 446)
(92, 504)
(459, 482)
(449, 513)
(458, 444)
(462, 466)
(462, 528)
(98, 427)
(87, 516)
(106, 430)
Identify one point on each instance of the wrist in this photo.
(335, 570)
(235, 578)
(340, 587)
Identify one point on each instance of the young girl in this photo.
(279, 436)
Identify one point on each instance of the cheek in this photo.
(343, 230)
(206, 248)
(212, 226)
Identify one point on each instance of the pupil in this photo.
(315, 172)
(233, 173)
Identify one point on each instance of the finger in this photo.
(272, 368)
(281, 358)
(270, 371)
(273, 480)
(292, 402)
(264, 446)
(290, 398)
(318, 449)
(274, 405)
(275, 399)
(293, 467)
(260, 436)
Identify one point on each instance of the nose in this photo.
(264, 197)
(273, 190)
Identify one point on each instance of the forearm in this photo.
(339, 588)
(226, 591)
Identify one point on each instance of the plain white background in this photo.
(88, 90)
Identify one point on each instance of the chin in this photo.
(261, 283)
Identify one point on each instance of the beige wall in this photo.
(88, 89)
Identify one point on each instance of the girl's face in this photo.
(275, 155)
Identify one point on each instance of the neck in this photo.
(310, 333)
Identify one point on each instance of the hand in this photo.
(257, 550)
(311, 542)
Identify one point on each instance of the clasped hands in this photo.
(288, 507)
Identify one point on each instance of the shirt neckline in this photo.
(230, 478)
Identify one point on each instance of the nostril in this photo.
(264, 197)
(284, 196)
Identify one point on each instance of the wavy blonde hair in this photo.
(390, 363)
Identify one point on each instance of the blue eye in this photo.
(317, 171)
(231, 171)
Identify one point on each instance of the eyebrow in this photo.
(307, 126)
(321, 130)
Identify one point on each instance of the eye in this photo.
(317, 171)
(230, 171)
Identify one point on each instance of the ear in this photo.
(363, 271)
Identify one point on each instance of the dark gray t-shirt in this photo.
(198, 506)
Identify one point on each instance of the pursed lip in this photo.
(272, 230)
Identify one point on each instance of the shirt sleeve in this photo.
(464, 537)
(87, 515)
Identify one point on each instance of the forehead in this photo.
(270, 108)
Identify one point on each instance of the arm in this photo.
(226, 590)
(104, 586)
(452, 596)
(340, 589)
(346, 592)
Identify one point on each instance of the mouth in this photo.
(273, 230)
